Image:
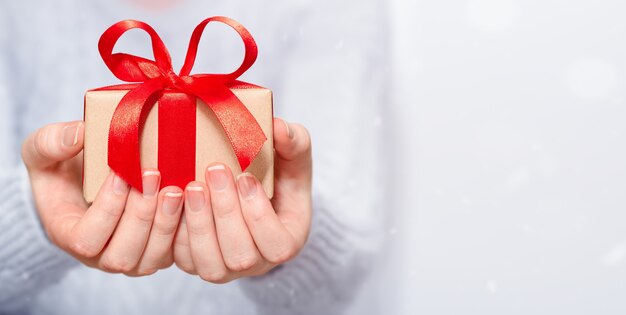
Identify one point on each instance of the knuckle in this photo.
(166, 263)
(146, 271)
(218, 276)
(91, 263)
(144, 215)
(243, 263)
(283, 255)
(261, 270)
(80, 247)
(186, 267)
(115, 264)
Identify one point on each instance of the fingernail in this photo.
(70, 135)
(217, 177)
(120, 187)
(151, 181)
(247, 186)
(289, 132)
(195, 198)
(171, 202)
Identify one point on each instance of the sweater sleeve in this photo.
(28, 261)
(326, 275)
(334, 83)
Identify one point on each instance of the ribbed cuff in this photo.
(324, 277)
(28, 261)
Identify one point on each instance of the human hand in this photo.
(123, 230)
(231, 229)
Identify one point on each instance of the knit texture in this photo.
(326, 272)
(28, 261)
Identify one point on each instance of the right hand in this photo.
(123, 230)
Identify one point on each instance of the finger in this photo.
(182, 251)
(272, 239)
(236, 244)
(158, 251)
(205, 250)
(53, 143)
(89, 236)
(293, 171)
(293, 151)
(131, 235)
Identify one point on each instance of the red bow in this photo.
(155, 77)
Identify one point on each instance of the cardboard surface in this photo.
(212, 145)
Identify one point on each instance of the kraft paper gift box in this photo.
(212, 145)
(236, 129)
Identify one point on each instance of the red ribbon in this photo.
(176, 110)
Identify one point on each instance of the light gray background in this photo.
(510, 195)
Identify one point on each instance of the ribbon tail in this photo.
(126, 125)
(243, 131)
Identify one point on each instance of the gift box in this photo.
(177, 123)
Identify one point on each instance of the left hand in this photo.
(231, 229)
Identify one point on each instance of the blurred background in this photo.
(509, 192)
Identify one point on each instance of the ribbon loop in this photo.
(243, 131)
(131, 68)
(251, 50)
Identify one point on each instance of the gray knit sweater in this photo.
(323, 60)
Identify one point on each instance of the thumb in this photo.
(53, 143)
(293, 151)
